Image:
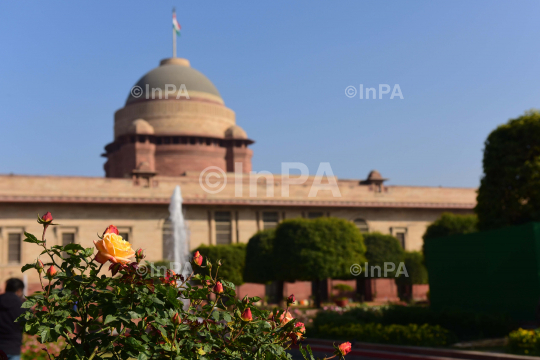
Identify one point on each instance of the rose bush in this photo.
(137, 312)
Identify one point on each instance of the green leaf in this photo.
(109, 319)
(142, 356)
(134, 315)
(69, 247)
(27, 267)
(32, 239)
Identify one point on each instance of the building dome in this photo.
(235, 132)
(176, 77)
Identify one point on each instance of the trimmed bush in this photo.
(414, 263)
(317, 249)
(465, 325)
(526, 342)
(314, 250)
(451, 224)
(382, 248)
(509, 192)
(259, 258)
(233, 258)
(412, 334)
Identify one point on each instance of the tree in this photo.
(509, 192)
(416, 271)
(260, 263)
(451, 224)
(314, 250)
(259, 266)
(232, 257)
(380, 249)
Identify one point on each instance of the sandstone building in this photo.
(172, 128)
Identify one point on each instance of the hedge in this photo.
(465, 325)
(412, 334)
(259, 258)
(233, 258)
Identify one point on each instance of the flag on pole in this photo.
(175, 24)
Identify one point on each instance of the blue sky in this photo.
(463, 67)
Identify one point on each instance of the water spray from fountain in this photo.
(180, 235)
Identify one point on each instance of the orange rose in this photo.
(285, 317)
(114, 249)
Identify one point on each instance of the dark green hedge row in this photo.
(465, 325)
(412, 334)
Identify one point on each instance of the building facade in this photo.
(169, 138)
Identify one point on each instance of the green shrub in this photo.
(465, 325)
(525, 342)
(233, 258)
(451, 224)
(412, 334)
(381, 249)
(259, 260)
(416, 270)
(509, 192)
(317, 249)
(343, 288)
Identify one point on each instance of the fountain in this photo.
(179, 240)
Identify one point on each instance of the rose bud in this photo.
(291, 299)
(218, 289)
(51, 272)
(39, 266)
(246, 315)
(47, 218)
(344, 348)
(111, 230)
(198, 258)
(139, 255)
(176, 320)
(115, 267)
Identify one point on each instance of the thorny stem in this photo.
(213, 306)
(239, 332)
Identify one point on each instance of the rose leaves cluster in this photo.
(131, 310)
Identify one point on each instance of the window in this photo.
(67, 238)
(362, 225)
(124, 235)
(270, 220)
(314, 215)
(14, 248)
(401, 234)
(401, 237)
(223, 227)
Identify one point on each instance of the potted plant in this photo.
(342, 300)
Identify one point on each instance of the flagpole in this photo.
(174, 42)
(174, 36)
